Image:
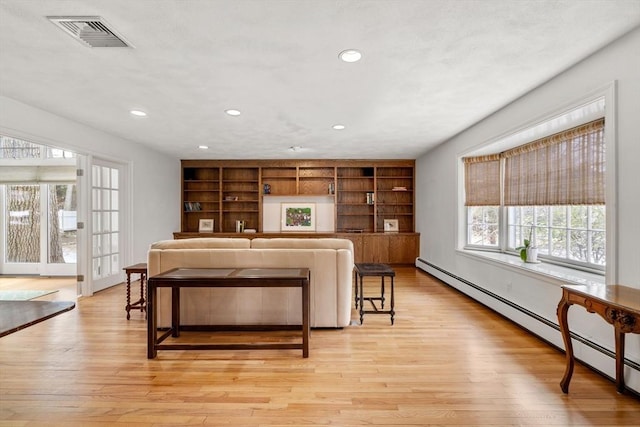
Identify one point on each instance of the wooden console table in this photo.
(618, 305)
(223, 278)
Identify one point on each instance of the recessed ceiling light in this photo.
(338, 127)
(350, 55)
(138, 113)
(232, 112)
(203, 147)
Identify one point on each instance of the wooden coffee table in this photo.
(223, 278)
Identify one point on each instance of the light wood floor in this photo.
(446, 361)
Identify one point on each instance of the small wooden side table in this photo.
(140, 269)
(376, 270)
(618, 305)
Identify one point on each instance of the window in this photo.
(549, 191)
(568, 234)
(483, 227)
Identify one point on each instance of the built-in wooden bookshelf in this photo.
(366, 193)
(356, 200)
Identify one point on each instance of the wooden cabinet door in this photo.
(403, 249)
(375, 248)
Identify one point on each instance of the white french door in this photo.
(105, 231)
(39, 226)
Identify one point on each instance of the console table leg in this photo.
(619, 361)
(563, 309)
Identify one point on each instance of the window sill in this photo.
(564, 275)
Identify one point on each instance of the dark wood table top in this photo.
(228, 276)
(374, 269)
(136, 268)
(17, 315)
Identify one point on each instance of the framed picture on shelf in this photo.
(205, 226)
(390, 225)
(298, 217)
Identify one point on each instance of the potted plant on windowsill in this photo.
(528, 252)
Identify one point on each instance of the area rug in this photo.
(16, 295)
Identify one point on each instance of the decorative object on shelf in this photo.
(391, 226)
(370, 198)
(240, 224)
(205, 226)
(332, 188)
(399, 188)
(529, 252)
(231, 198)
(298, 217)
(192, 206)
(266, 188)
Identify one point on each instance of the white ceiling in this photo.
(430, 69)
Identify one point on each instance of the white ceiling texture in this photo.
(429, 69)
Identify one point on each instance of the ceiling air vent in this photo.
(92, 30)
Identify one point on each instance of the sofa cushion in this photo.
(301, 243)
(203, 243)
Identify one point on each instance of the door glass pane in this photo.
(114, 179)
(114, 221)
(96, 180)
(104, 194)
(106, 182)
(105, 226)
(62, 224)
(96, 268)
(115, 264)
(114, 200)
(95, 199)
(105, 222)
(23, 223)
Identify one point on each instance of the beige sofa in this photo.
(330, 262)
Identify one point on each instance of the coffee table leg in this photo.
(393, 313)
(151, 324)
(361, 301)
(305, 319)
(175, 312)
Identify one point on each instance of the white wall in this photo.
(437, 203)
(155, 176)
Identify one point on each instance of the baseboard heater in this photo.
(511, 304)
